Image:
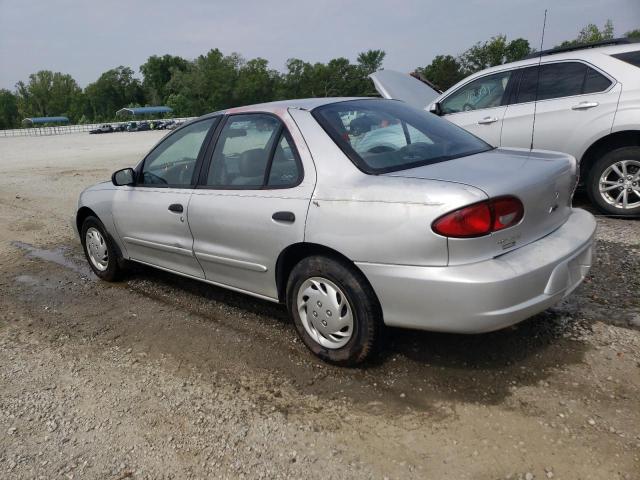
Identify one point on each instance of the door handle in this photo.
(176, 208)
(487, 120)
(585, 105)
(288, 217)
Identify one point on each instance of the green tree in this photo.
(114, 89)
(49, 94)
(371, 61)
(633, 33)
(8, 110)
(492, 52)
(444, 71)
(591, 33)
(156, 74)
(256, 82)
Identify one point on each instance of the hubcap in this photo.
(97, 249)
(325, 312)
(620, 184)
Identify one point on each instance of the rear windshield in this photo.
(630, 57)
(382, 136)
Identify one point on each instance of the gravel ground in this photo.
(162, 377)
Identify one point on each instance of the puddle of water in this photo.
(56, 255)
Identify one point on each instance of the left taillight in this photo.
(480, 218)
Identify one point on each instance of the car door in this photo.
(575, 102)
(152, 216)
(252, 202)
(479, 106)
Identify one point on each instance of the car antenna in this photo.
(535, 103)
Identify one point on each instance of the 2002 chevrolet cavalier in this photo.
(356, 213)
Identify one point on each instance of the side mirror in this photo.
(436, 108)
(126, 176)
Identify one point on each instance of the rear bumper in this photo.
(490, 294)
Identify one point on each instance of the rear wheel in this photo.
(613, 183)
(100, 250)
(334, 310)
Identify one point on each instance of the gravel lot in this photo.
(162, 377)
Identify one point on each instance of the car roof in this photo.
(281, 105)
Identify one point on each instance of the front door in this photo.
(252, 203)
(152, 216)
(479, 106)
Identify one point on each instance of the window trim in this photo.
(201, 184)
(199, 158)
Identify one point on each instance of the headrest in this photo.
(252, 162)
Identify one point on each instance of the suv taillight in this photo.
(480, 219)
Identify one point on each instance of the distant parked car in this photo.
(588, 105)
(157, 125)
(120, 127)
(106, 128)
(142, 126)
(414, 223)
(172, 125)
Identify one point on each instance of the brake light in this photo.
(480, 219)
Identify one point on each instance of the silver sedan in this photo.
(355, 213)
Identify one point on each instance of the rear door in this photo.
(251, 203)
(575, 102)
(151, 217)
(479, 106)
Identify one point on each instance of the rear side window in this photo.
(253, 151)
(382, 136)
(557, 80)
(630, 57)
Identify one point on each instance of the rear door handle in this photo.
(584, 105)
(176, 208)
(288, 217)
(487, 120)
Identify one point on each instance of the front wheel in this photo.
(100, 250)
(334, 309)
(613, 183)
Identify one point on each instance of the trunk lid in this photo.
(401, 86)
(543, 181)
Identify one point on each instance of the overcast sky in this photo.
(85, 38)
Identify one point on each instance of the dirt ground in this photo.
(162, 377)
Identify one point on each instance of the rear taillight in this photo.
(480, 219)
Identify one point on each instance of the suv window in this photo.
(484, 92)
(253, 151)
(173, 161)
(560, 80)
(630, 57)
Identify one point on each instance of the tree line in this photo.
(215, 81)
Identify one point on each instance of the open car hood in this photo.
(401, 86)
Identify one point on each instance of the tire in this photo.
(347, 295)
(107, 263)
(603, 169)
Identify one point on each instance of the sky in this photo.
(86, 38)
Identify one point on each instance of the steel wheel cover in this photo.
(97, 249)
(619, 184)
(325, 312)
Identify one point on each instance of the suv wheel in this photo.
(100, 250)
(613, 183)
(334, 310)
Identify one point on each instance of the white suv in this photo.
(588, 105)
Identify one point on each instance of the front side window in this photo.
(173, 162)
(253, 151)
(384, 135)
(484, 92)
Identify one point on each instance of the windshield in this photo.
(382, 136)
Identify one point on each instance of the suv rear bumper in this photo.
(490, 294)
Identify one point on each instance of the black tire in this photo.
(115, 263)
(596, 171)
(366, 312)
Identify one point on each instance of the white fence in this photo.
(63, 129)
